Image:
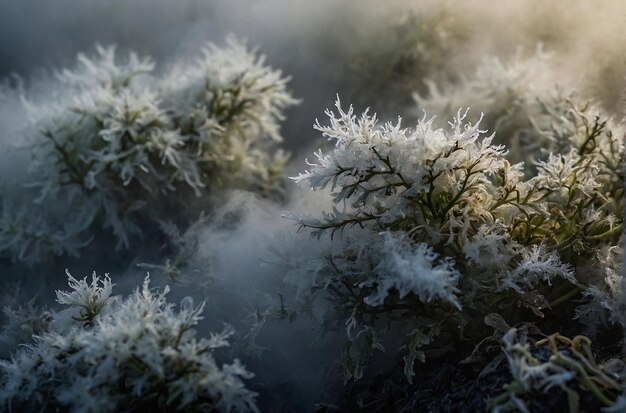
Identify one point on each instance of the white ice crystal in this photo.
(537, 265)
(412, 268)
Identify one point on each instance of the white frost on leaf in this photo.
(538, 265)
(407, 267)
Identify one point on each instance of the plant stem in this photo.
(567, 297)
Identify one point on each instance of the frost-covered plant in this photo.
(380, 172)
(555, 362)
(135, 354)
(524, 104)
(90, 298)
(404, 51)
(20, 322)
(496, 86)
(229, 106)
(120, 137)
(463, 230)
(184, 264)
(28, 234)
(511, 94)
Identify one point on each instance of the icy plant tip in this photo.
(90, 298)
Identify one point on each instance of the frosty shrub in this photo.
(431, 227)
(185, 265)
(500, 87)
(514, 95)
(405, 50)
(525, 106)
(20, 323)
(29, 233)
(118, 137)
(107, 354)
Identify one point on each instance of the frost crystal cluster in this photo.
(107, 354)
(431, 225)
(119, 137)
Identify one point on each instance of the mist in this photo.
(244, 255)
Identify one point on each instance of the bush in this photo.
(107, 354)
(118, 138)
(431, 229)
